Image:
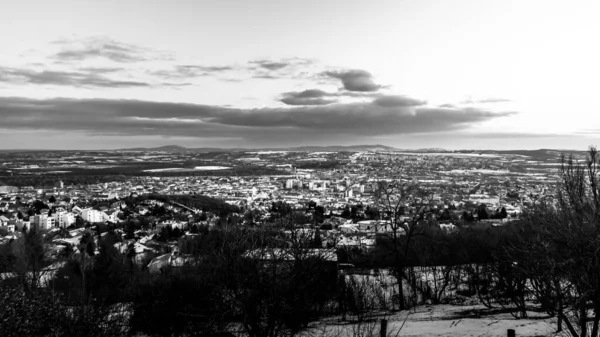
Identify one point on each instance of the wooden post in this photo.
(510, 333)
(383, 330)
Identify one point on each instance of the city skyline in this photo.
(408, 74)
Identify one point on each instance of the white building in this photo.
(92, 215)
(485, 199)
(64, 219)
(291, 183)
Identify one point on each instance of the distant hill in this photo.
(334, 148)
(541, 154)
(168, 148)
(350, 148)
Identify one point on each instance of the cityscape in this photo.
(325, 168)
(155, 203)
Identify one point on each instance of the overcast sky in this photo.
(456, 74)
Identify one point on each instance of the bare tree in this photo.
(406, 206)
(563, 254)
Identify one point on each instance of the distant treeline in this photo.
(50, 180)
(197, 201)
(97, 176)
(330, 164)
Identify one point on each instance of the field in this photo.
(441, 320)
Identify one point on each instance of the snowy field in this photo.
(441, 320)
(211, 168)
(197, 168)
(464, 316)
(502, 172)
(450, 154)
(269, 152)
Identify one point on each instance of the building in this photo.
(92, 215)
(111, 216)
(43, 222)
(318, 185)
(291, 183)
(492, 201)
(64, 219)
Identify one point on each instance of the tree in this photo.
(38, 206)
(397, 243)
(562, 256)
(129, 230)
(482, 212)
(503, 213)
(30, 259)
(318, 242)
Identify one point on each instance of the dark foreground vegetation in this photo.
(274, 279)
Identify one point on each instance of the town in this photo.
(458, 185)
(154, 205)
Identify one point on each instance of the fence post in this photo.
(383, 330)
(510, 333)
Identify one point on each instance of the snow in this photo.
(210, 168)
(450, 154)
(478, 171)
(74, 241)
(269, 152)
(163, 170)
(197, 168)
(442, 320)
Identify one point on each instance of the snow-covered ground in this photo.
(442, 320)
(163, 170)
(197, 168)
(450, 154)
(485, 171)
(269, 152)
(211, 168)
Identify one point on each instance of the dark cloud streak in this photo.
(355, 80)
(307, 97)
(391, 101)
(128, 117)
(63, 78)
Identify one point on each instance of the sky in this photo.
(456, 74)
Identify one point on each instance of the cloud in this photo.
(355, 80)
(63, 78)
(391, 101)
(307, 97)
(486, 100)
(104, 48)
(318, 97)
(294, 67)
(191, 71)
(270, 65)
(295, 124)
(267, 76)
(102, 70)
